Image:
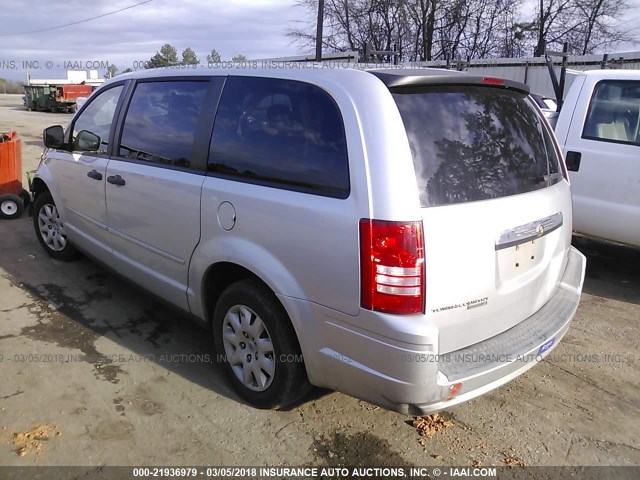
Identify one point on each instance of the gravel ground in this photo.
(156, 400)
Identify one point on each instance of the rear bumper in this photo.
(411, 378)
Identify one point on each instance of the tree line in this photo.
(167, 56)
(422, 30)
(9, 86)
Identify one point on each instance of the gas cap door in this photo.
(226, 216)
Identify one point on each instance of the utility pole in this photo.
(540, 48)
(319, 30)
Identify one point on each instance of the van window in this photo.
(473, 143)
(614, 112)
(161, 122)
(280, 133)
(97, 117)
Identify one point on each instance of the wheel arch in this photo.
(217, 278)
(38, 187)
(222, 274)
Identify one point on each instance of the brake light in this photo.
(493, 81)
(391, 266)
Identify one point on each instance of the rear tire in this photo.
(50, 230)
(256, 342)
(11, 207)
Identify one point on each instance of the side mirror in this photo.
(53, 137)
(86, 141)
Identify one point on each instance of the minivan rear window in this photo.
(473, 143)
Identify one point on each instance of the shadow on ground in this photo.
(613, 271)
(78, 303)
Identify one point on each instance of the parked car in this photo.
(599, 131)
(402, 236)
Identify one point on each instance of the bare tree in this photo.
(461, 29)
(419, 29)
(349, 24)
(598, 25)
(586, 25)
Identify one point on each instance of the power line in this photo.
(75, 23)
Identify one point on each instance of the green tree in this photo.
(168, 55)
(189, 57)
(127, 70)
(214, 57)
(239, 58)
(111, 71)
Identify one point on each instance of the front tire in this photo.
(257, 344)
(50, 230)
(11, 207)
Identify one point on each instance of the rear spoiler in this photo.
(397, 79)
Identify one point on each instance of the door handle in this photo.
(95, 175)
(573, 161)
(116, 180)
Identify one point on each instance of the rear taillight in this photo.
(391, 266)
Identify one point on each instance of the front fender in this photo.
(43, 177)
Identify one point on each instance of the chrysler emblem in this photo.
(540, 230)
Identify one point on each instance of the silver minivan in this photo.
(402, 236)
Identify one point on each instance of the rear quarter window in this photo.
(476, 143)
(280, 133)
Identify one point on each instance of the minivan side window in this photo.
(614, 112)
(161, 122)
(96, 119)
(280, 133)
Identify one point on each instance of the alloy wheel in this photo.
(51, 228)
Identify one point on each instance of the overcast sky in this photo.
(255, 28)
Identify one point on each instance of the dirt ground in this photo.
(96, 372)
